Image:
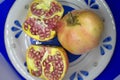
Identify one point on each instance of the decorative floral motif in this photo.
(78, 75)
(106, 45)
(17, 28)
(92, 4)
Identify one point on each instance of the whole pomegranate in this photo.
(79, 31)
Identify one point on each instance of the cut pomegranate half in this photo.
(41, 19)
(49, 63)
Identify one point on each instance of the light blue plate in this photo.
(82, 67)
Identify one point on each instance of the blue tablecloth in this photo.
(113, 68)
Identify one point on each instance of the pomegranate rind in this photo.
(53, 49)
(83, 36)
(45, 6)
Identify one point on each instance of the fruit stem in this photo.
(71, 16)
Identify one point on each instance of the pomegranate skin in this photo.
(80, 31)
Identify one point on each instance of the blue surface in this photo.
(111, 71)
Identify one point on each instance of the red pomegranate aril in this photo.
(31, 49)
(31, 55)
(51, 11)
(35, 58)
(34, 52)
(25, 23)
(36, 73)
(39, 67)
(38, 11)
(61, 62)
(54, 20)
(53, 4)
(51, 77)
(51, 26)
(46, 21)
(46, 71)
(48, 66)
(33, 33)
(47, 15)
(60, 69)
(47, 35)
(40, 31)
(50, 58)
(60, 72)
(47, 29)
(56, 17)
(37, 53)
(47, 61)
(59, 65)
(42, 35)
(56, 67)
(33, 6)
(42, 53)
(44, 63)
(39, 57)
(34, 29)
(42, 12)
(36, 63)
(25, 27)
(56, 71)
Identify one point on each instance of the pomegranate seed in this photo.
(60, 69)
(36, 73)
(48, 66)
(39, 57)
(47, 29)
(37, 53)
(41, 34)
(44, 63)
(42, 11)
(50, 58)
(25, 27)
(53, 4)
(40, 31)
(31, 55)
(48, 35)
(46, 21)
(60, 72)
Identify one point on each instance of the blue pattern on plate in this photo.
(18, 34)
(73, 76)
(78, 75)
(106, 45)
(17, 23)
(92, 4)
(102, 50)
(14, 28)
(17, 28)
(25, 64)
(85, 73)
(107, 39)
